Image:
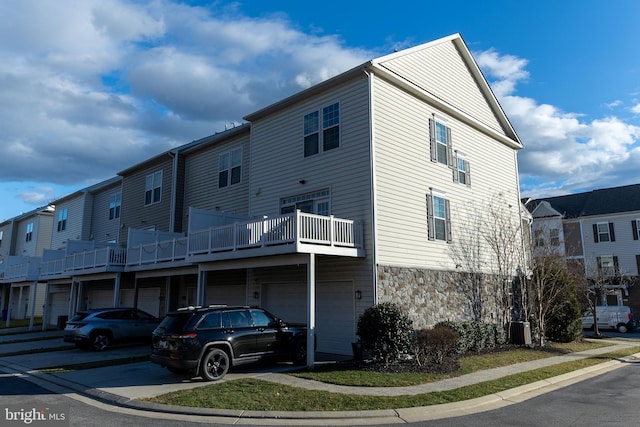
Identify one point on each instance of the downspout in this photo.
(372, 162)
(174, 192)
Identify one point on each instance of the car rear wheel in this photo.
(100, 341)
(215, 365)
(622, 328)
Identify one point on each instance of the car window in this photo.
(143, 315)
(174, 323)
(79, 316)
(239, 319)
(117, 314)
(260, 318)
(211, 320)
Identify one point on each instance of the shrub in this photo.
(434, 345)
(565, 324)
(476, 336)
(385, 332)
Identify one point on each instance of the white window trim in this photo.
(153, 188)
(230, 166)
(321, 128)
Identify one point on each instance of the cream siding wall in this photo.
(441, 71)
(75, 220)
(201, 180)
(404, 175)
(104, 229)
(44, 233)
(7, 237)
(134, 212)
(41, 235)
(278, 166)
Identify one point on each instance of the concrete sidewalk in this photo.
(124, 385)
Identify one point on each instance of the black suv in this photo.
(209, 340)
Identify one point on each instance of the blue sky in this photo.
(91, 87)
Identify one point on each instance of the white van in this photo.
(619, 317)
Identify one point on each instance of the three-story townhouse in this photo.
(598, 230)
(28, 235)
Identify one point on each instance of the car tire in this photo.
(622, 328)
(100, 341)
(299, 355)
(215, 365)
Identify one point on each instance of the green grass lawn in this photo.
(16, 323)
(251, 394)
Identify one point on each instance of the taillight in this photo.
(630, 317)
(182, 336)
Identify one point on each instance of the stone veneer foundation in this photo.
(429, 296)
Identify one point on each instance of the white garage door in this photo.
(59, 306)
(227, 294)
(334, 311)
(149, 300)
(100, 298)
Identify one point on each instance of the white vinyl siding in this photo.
(102, 228)
(441, 71)
(201, 179)
(74, 223)
(623, 245)
(405, 173)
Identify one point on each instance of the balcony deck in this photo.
(297, 232)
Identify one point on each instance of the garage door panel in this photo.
(227, 294)
(334, 311)
(149, 300)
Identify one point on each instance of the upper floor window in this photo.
(153, 188)
(62, 219)
(635, 226)
(603, 232)
(325, 137)
(462, 171)
(607, 265)
(438, 218)
(115, 202)
(538, 238)
(440, 143)
(230, 168)
(1, 236)
(554, 237)
(29, 232)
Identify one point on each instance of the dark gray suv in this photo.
(209, 340)
(100, 328)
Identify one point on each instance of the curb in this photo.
(383, 416)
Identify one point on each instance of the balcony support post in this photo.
(311, 310)
(116, 290)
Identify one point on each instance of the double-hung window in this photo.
(1, 236)
(603, 232)
(230, 168)
(462, 169)
(62, 219)
(438, 218)
(115, 202)
(538, 238)
(153, 188)
(554, 237)
(440, 143)
(29, 235)
(607, 265)
(635, 226)
(321, 130)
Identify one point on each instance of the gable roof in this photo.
(597, 202)
(506, 135)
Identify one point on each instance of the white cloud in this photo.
(635, 109)
(38, 196)
(90, 87)
(563, 152)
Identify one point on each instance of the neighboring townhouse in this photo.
(350, 193)
(88, 219)
(597, 229)
(23, 240)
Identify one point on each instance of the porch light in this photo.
(358, 294)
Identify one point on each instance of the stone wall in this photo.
(429, 296)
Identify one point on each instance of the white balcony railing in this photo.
(151, 253)
(298, 227)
